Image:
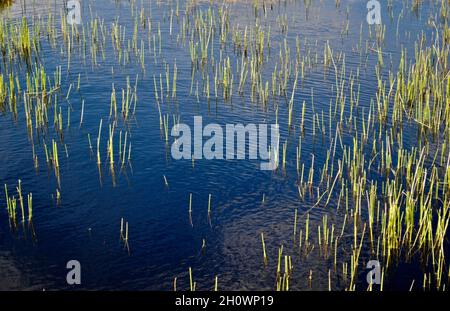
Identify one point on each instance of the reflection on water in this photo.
(80, 216)
(19, 8)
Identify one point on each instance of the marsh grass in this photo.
(378, 196)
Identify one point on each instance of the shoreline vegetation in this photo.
(5, 3)
(380, 197)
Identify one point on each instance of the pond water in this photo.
(79, 217)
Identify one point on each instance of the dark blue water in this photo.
(163, 241)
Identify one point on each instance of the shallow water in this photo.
(163, 243)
